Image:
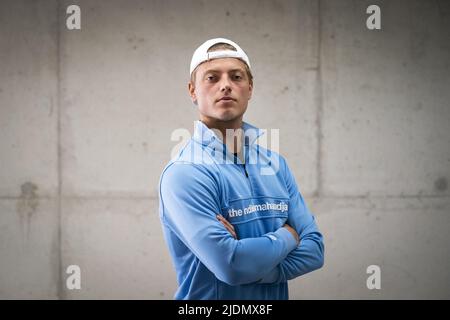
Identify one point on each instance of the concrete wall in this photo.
(86, 118)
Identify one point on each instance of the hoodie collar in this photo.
(208, 137)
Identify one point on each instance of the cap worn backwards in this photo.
(201, 54)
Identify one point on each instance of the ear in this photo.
(191, 90)
(250, 90)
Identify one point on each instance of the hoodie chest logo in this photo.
(264, 208)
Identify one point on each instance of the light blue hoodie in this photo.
(257, 197)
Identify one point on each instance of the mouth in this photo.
(226, 99)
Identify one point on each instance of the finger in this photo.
(227, 226)
(230, 230)
(233, 233)
(225, 222)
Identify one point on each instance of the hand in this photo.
(293, 232)
(227, 225)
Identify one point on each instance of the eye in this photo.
(211, 78)
(237, 77)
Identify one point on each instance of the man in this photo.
(234, 221)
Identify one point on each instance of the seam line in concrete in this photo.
(418, 197)
(60, 292)
(319, 100)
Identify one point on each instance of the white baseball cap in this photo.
(201, 54)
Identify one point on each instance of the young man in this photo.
(234, 221)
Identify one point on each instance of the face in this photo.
(221, 90)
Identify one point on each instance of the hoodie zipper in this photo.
(245, 170)
(246, 174)
(248, 179)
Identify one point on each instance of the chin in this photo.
(224, 114)
(227, 116)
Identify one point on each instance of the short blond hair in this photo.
(224, 46)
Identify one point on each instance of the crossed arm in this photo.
(190, 212)
(231, 230)
(306, 257)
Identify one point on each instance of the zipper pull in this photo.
(245, 170)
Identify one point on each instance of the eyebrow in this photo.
(218, 71)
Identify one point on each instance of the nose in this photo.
(225, 84)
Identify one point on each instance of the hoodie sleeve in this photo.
(189, 196)
(309, 254)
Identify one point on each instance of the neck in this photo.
(221, 125)
(235, 145)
